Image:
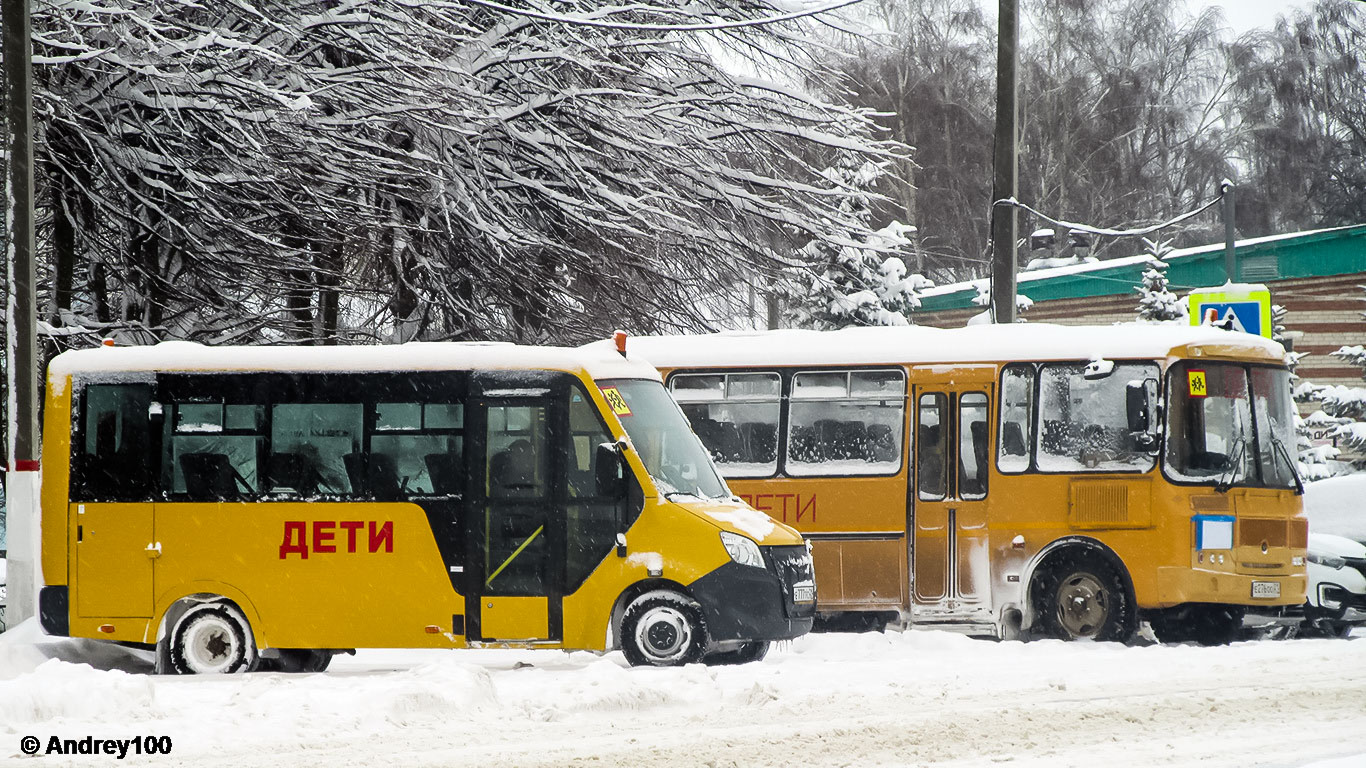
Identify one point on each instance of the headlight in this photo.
(1328, 561)
(742, 550)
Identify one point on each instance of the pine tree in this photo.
(1157, 304)
(858, 281)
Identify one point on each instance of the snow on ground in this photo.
(914, 698)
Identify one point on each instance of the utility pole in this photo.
(1004, 184)
(22, 480)
(1230, 260)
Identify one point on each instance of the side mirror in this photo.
(610, 472)
(1138, 407)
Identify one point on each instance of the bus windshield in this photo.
(1231, 425)
(671, 452)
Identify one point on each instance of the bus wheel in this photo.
(663, 629)
(751, 651)
(1199, 623)
(213, 639)
(1084, 599)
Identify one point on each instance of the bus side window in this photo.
(210, 450)
(972, 449)
(308, 444)
(931, 480)
(415, 448)
(1017, 405)
(591, 522)
(114, 455)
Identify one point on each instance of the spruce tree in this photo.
(1157, 304)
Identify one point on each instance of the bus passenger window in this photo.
(736, 417)
(415, 449)
(210, 450)
(1017, 405)
(309, 443)
(1083, 422)
(845, 423)
(931, 480)
(972, 448)
(114, 456)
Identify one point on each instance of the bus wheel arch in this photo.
(1089, 575)
(206, 632)
(658, 623)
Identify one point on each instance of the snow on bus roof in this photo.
(921, 344)
(602, 363)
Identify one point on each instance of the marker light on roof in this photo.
(620, 338)
(108, 342)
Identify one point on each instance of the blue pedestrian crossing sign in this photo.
(1245, 308)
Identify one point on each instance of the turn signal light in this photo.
(107, 628)
(432, 629)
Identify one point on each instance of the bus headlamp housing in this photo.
(741, 549)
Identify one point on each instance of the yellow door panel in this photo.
(514, 618)
(113, 562)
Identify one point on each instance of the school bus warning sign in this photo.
(616, 402)
(1198, 387)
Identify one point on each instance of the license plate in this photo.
(803, 593)
(1266, 589)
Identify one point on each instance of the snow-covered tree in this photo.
(860, 279)
(983, 299)
(1341, 416)
(302, 171)
(1156, 303)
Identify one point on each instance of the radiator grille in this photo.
(1299, 534)
(1252, 532)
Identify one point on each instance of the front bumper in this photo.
(741, 602)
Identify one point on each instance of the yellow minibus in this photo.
(1059, 481)
(267, 507)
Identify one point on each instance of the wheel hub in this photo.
(664, 633)
(1083, 605)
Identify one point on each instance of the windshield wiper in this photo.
(1279, 450)
(1226, 477)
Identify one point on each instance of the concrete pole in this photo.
(22, 482)
(1230, 258)
(1004, 221)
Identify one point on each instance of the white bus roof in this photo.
(920, 344)
(599, 363)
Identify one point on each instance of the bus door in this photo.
(515, 554)
(949, 499)
(111, 491)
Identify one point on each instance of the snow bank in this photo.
(1337, 505)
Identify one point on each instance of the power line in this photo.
(1103, 232)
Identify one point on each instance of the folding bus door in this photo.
(950, 552)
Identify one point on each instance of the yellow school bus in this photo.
(241, 508)
(1059, 481)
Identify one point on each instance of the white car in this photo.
(1336, 601)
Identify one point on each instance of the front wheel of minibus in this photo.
(1082, 597)
(663, 629)
(213, 638)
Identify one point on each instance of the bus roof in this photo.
(599, 363)
(973, 344)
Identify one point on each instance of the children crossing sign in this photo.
(1237, 307)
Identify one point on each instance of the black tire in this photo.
(1206, 624)
(755, 650)
(1084, 597)
(663, 629)
(213, 639)
(298, 660)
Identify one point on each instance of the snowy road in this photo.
(922, 698)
